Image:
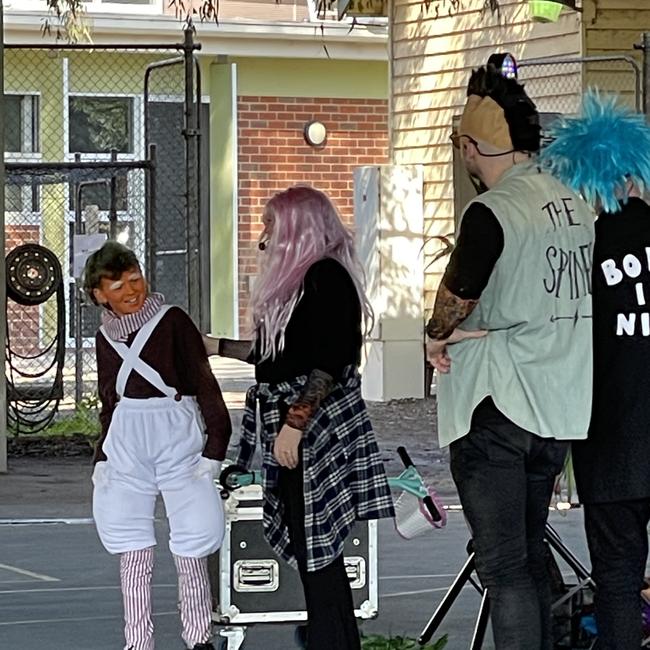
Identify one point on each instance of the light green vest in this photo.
(536, 361)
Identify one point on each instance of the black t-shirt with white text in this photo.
(613, 464)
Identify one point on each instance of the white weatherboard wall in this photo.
(432, 55)
(388, 214)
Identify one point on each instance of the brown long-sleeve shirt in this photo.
(175, 349)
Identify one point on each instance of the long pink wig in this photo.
(306, 228)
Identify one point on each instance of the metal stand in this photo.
(464, 576)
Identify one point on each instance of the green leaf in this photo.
(379, 642)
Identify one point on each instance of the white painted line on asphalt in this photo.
(419, 576)
(105, 588)
(29, 574)
(38, 621)
(399, 594)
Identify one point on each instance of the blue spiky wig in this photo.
(598, 152)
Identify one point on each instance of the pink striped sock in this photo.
(136, 569)
(196, 599)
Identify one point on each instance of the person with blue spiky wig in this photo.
(604, 154)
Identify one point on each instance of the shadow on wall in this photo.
(431, 59)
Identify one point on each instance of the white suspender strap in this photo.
(131, 357)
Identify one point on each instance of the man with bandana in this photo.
(509, 401)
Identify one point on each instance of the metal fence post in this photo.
(190, 133)
(112, 210)
(78, 308)
(150, 214)
(3, 283)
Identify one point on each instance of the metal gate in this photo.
(99, 140)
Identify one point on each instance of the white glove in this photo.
(100, 474)
(207, 467)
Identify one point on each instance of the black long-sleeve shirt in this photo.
(324, 331)
(323, 336)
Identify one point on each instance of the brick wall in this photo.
(273, 155)
(23, 322)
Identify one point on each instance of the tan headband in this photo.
(484, 121)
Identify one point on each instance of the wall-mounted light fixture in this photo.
(315, 134)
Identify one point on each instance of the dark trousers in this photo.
(618, 544)
(330, 609)
(505, 477)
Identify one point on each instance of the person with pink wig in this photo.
(321, 466)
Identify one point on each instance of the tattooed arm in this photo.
(287, 443)
(316, 389)
(449, 312)
(478, 247)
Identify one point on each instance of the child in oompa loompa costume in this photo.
(604, 154)
(165, 430)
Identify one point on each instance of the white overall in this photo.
(154, 446)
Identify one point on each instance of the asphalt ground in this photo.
(59, 588)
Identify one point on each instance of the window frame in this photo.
(30, 195)
(34, 118)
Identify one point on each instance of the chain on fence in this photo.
(80, 169)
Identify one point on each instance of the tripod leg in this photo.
(452, 593)
(556, 543)
(481, 623)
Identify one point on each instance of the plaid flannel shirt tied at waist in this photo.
(343, 475)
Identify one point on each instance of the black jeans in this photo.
(330, 609)
(505, 477)
(618, 544)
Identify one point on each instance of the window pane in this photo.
(22, 198)
(21, 123)
(13, 123)
(13, 198)
(99, 124)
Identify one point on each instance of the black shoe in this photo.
(203, 646)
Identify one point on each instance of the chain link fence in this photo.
(96, 147)
(557, 84)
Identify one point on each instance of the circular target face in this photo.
(33, 274)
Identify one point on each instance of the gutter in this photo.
(229, 37)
